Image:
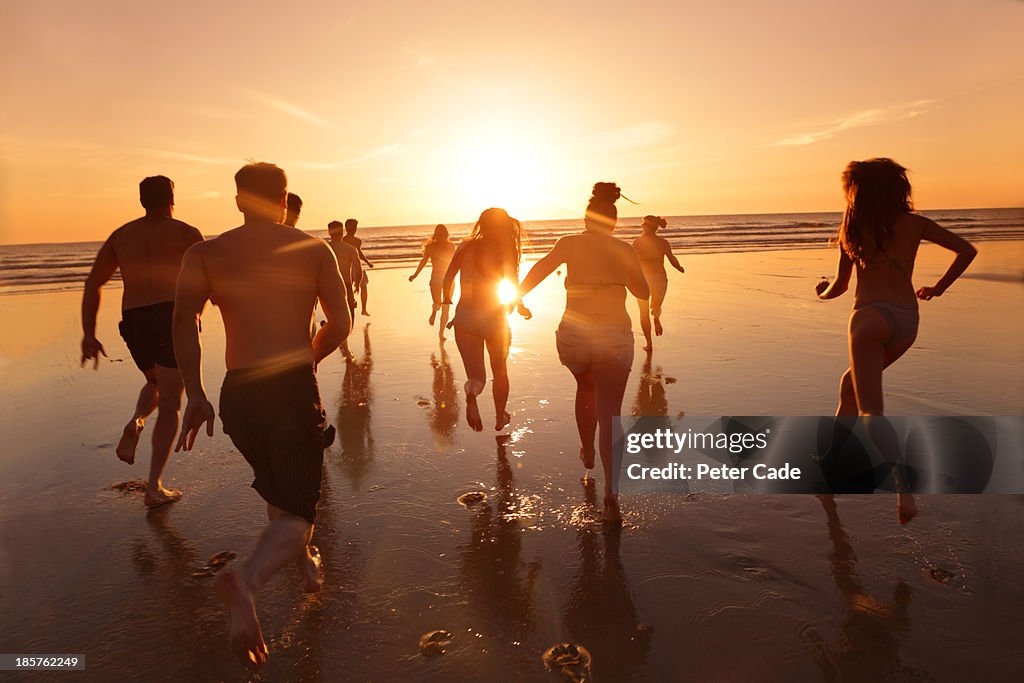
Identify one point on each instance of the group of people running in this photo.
(267, 277)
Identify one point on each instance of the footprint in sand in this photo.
(571, 661)
(670, 380)
(433, 643)
(129, 487)
(471, 499)
(939, 575)
(423, 403)
(214, 564)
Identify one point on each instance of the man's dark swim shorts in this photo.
(147, 332)
(274, 417)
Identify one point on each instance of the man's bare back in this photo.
(148, 252)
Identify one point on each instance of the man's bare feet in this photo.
(433, 316)
(244, 633)
(502, 421)
(611, 511)
(473, 412)
(658, 330)
(906, 507)
(587, 457)
(365, 313)
(310, 568)
(130, 441)
(160, 496)
(648, 346)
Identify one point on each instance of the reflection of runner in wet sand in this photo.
(148, 253)
(880, 235)
(439, 251)
(489, 256)
(351, 271)
(444, 414)
(595, 336)
(653, 251)
(355, 405)
(266, 278)
(351, 225)
(868, 646)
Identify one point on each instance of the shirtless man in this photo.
(266, 278)
(291, 216)
(350, 237)
(351, 271)
(148, 252)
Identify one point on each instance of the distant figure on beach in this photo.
(595, 336)
(439, 250)
(488, 257)
(653, 251)
(265, 278)
(148, 252)
(351, 225)
(291, 214)
(879, 235)
(351, 271)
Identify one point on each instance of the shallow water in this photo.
(702, 587)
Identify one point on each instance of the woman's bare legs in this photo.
(435, 296)
(586, 416)
(471, 348)
(645, 321)
(869, 356)
(610, 387)
(497, 349)
(657, 300)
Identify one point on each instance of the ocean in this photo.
(48, 267)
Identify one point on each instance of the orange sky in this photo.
(410, 113)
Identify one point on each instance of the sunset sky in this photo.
(412, 113)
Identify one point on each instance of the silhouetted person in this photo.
(351, 271)
(265, 278)
(595, 336)
(351, 225)
(148, 253)
(880, 235)
(294, 208)
(653, 251)
(439, 250)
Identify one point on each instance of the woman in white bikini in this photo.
(879, 235)
(439, 251)
(653, 251)
(595, 336)
(489, 255)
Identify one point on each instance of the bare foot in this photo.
(244, 632)
(129, 441)
(658, 330)
(310, 568)
(365, 313)
(587, 457)
(502, 421)
(906, 507)
(473, 412)
(648, 346)
(160, 496)
(433, 316)
(611, 511)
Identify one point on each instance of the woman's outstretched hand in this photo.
(927, 293)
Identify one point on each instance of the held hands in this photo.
(926, 293)
(196, 413)
(91, 350)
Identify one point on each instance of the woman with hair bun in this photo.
(489, 255)
(595, 336)
(879, 236)
(439, 251)
(653, 251)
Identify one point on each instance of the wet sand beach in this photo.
(701, 587)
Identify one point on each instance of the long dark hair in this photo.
(440, 236)
(877, 193)
(501, 233)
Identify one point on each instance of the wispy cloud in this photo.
(860, 119)
(642, 134)
(371, 155)
(184, 156)
(289, 108)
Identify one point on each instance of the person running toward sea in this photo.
(148, 253)
(595, 336)
(291, 215)
(439, 251)
(265, 278)
(351, 271)
(489, 256)
(351, 225)
(879, 236)
(653, 251)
